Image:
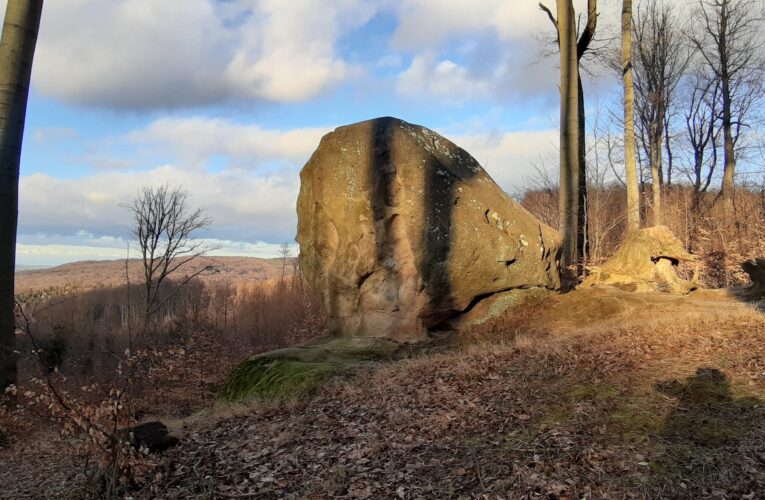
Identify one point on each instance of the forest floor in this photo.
(594, 394)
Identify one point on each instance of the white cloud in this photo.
(144, 54)
(424, 24)
(55, 254)
(286, 52)
(508, 157)
(244, 207)
(165, 53)
(196, 139)
(444, 79)
(488, 49)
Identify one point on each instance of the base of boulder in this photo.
(497, 305)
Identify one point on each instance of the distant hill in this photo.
(109, 273)
(26, 267)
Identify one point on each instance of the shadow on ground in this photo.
(711, 437)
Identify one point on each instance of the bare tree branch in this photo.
(164, 225)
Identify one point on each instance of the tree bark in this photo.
(583, 230)
(656, 174)
(22, 22)
(630, 162)
(726, 190)
(568, 200)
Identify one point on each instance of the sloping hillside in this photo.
(594, 394)
(606, 394)
(93, 274)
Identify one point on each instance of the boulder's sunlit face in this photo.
(401, 231)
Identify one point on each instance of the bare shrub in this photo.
(80, 353)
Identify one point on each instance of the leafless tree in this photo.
(17, 48)
(164, 225)
(728, 38)
(573, 176)
(285, 254)
(605, 188)
(660, 59)
(703, 127)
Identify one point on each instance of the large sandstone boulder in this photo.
(400, 230)
(645, 262)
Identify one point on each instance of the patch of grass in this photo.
(588, 391)
(705, 432)
(555, 415)
(275, 379)
(636, 422)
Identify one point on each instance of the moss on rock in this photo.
(298, 371)
(275, 378)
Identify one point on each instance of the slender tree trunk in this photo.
(656, 174)
(726, 190)
(569, 133)
(582, 240)
(22, 21)
(630, 162)
(668, 149)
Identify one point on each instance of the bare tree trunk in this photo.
(630, 162)
(656, 177)
(667, 143)
(726, 189)
(583, 226)
(17, 47)
(569, 133)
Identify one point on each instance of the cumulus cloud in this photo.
(161, 54)
(286, 51)
(425, 23)
(124, 54)
(244, 207)
(445, 79)
(196, 139)
(477, 50)
(508, 157)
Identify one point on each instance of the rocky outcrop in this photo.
(400, 230)
(755, 268)
(645, 262)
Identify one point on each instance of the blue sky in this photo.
(228, 98)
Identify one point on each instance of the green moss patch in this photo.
(635, 422)
(298, 371)
(275, 379)
(556, 415)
